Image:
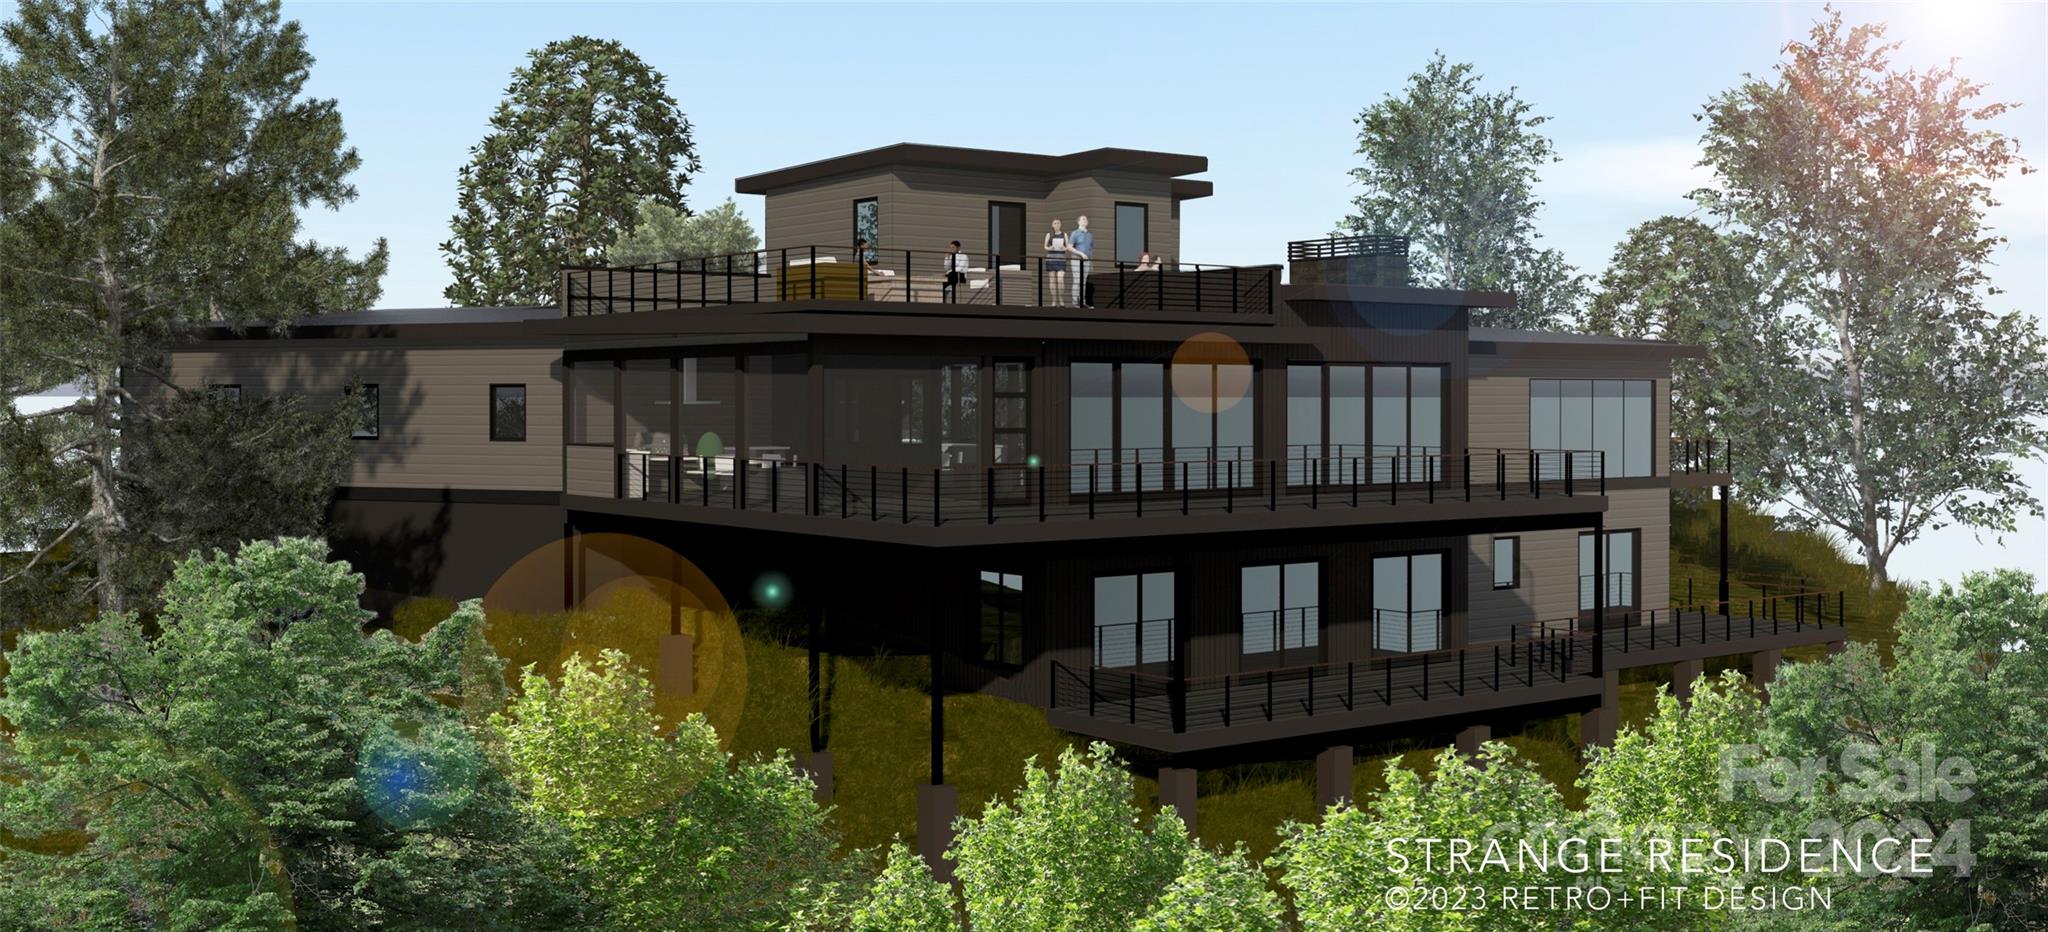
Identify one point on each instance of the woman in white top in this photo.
(1055, 268)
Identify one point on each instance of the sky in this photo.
(1267, 92)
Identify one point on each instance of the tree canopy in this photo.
(586, 133)
(153, 161)
(1454, 168)
(664, 234)
(1877, 396)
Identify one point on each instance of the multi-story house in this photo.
(1209, 512)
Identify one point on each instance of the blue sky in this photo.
(1267, 92)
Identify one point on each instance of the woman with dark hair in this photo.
(1055, 268)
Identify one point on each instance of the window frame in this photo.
(1160, 474)
(1144, 229)
(491, 425)
(1514, 542)
(1442, 635)
(229, 390)
(1625, 445)
(375, 410)
(995, 258)
(1006, 619)
(1635, 576)
(875, 244)
(1280, 646)
(1172, 619)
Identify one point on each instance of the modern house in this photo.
(1206, 511)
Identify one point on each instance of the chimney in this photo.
(1349, 260)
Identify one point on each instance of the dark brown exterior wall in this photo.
(444, 544)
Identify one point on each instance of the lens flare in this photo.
(772, 591)
(416, 778)
(1212, 373)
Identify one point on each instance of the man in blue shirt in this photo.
(1081, 245)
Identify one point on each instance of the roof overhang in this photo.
(1169, 164)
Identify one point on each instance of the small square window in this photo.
(1507, 562)
(229, 392)
(368, 415)
(508, 412)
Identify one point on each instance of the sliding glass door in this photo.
(1408, 603)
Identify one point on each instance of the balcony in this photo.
(1698, 462)
(1542, 661)
(859, 499)
(884, 276)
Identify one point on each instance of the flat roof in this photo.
(1562, 339)
(1169, 164)
(426, 315)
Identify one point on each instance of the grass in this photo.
(753, 686)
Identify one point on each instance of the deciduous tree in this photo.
(1454, 168)
(665, 234)
(1885, 400)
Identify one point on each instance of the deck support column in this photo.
(1177, 789)
(1763, 667)
(1470, 738)
(1683, 673)
(675, 666)
(1600, 595)
(1724, 548)
(818, 762)
(1598, 725)
(937, 806)
(937, 803)
(1333, 776)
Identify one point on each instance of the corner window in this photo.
(1507, 562)
(1133, 619)
(508, 412)
(1612, 418)
(368, 416)
(1002, 618)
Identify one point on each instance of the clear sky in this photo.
(1267, 92)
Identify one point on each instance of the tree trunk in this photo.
(104, 515)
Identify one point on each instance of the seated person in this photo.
(868, 259)
(1147, 262)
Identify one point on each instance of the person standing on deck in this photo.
(1054, 268)
(956, 272)
(1081, 245)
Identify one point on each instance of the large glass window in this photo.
(1408, 602)
(1507, 562)
(1133, 619)
(1614, 417)
(1212, 424)
(960, 414)
(591, 401)
(1141, 446)
(778, 405)
(709, 416)
(1331, 408)
(1280, 604)
(1002, 618)
(1621, 571)
(649, 409)
(867, 225)
(1012, 429)
(1130, 232)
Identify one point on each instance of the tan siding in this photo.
(435, 406)
(1500, 412)
(1550, 566)
(821, 214)
(590, 472)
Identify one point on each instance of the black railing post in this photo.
(812, 272)
(904, 494)
(1568, 473)
(775, 486)
(843, 507)
(906, 276)
(988, 491)
(874, 493)
(1091, 490)
(1041, 492)
(1184, 484)
(937, 507)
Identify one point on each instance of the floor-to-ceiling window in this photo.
(1118, 424)
(1281, 607)
(1613, 417)
(1332, 411)
(1408, 602)
(1133, 619)
(1131, 242)
(1622, 584)
(1002, 618)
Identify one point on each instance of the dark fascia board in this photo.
(920, 155)
(1381, 294)
(1493, 342)
(1187, 189)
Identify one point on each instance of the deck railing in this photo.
(1164, 702)
(910, 276)
(940, 495)
(1702, 455)
(1707, 622)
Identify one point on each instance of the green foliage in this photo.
(1070, 852)
(1677, 279)
(1876, 396)
(260, 759)
(1454, 169)
(211, 471)
(671, 834)
(1216, 892)
(124, 226)
(1970, 684)
(664, 234)
(1666, 776)
(905, 898)
(1340, 869)
(586, 133)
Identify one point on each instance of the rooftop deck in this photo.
(884, 276)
